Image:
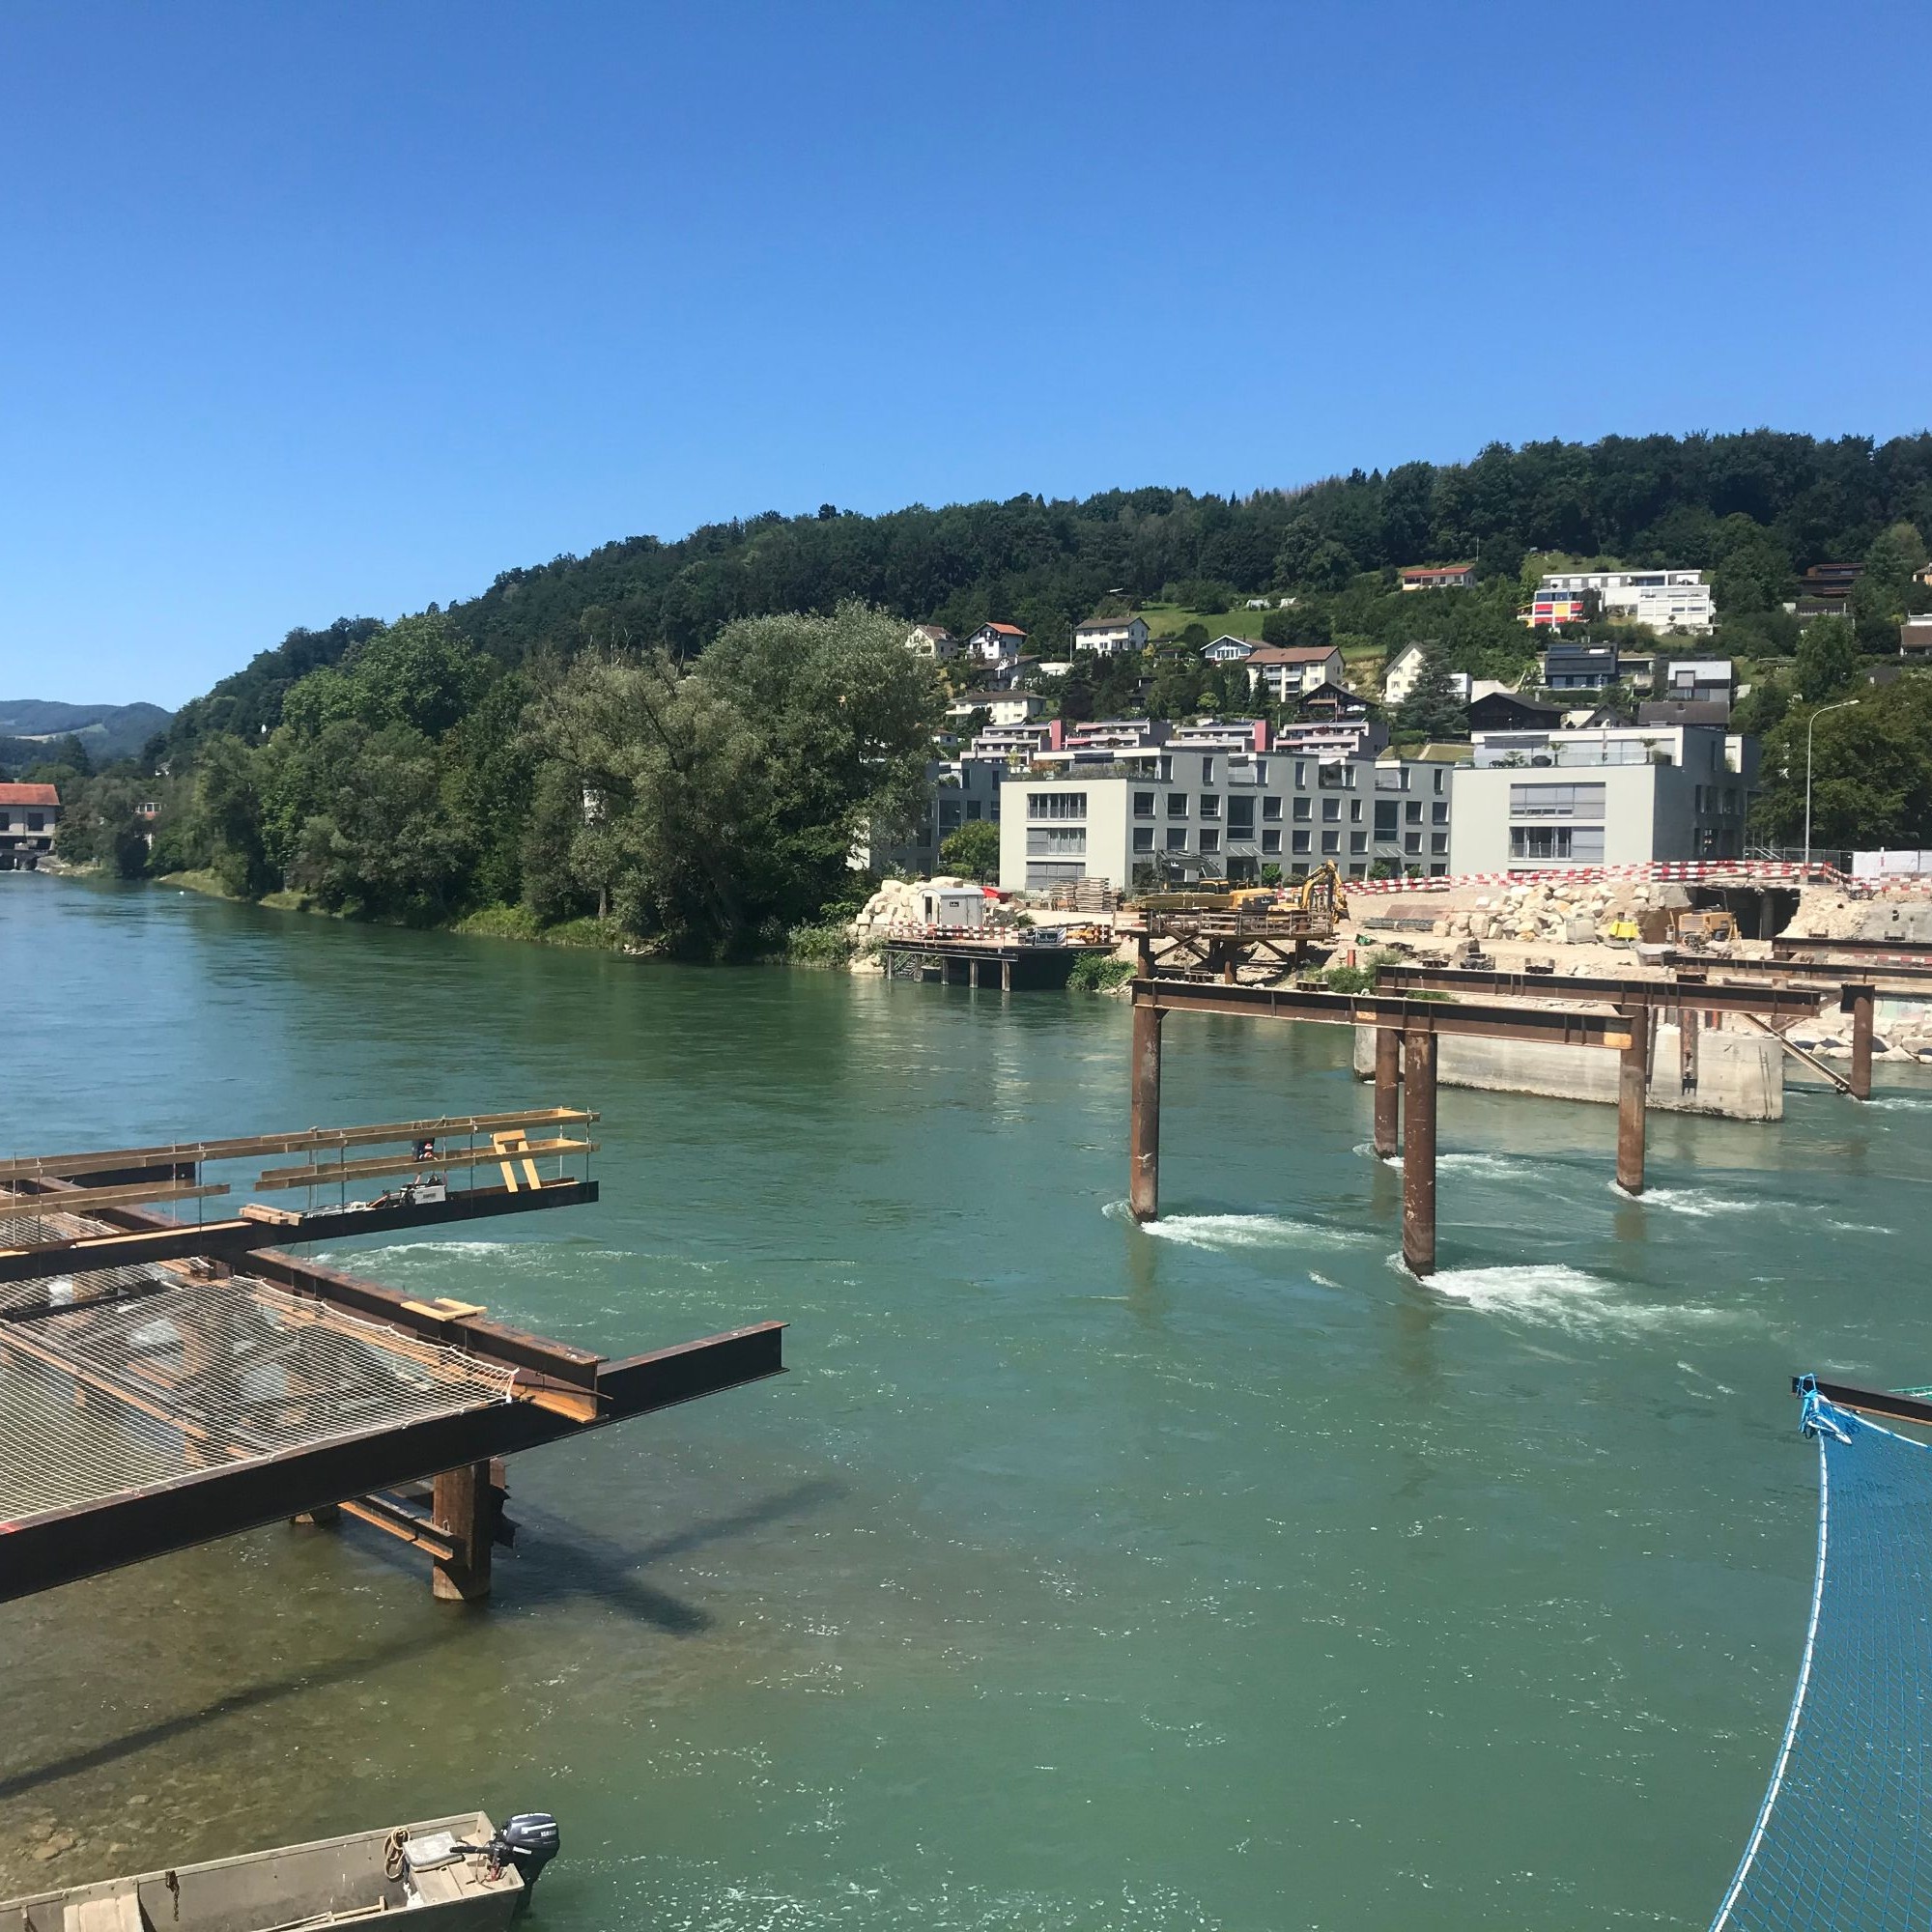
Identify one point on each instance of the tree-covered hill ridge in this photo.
(1757, 508)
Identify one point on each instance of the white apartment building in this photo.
(1110, 637)
(996, 644)
(1215, 814)
(1406, 668)
(1002, 707)
(1667, 599)
(1537, 801)
(1286, 671)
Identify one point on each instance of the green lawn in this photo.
(1164, 620)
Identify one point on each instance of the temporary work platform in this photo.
(164, 1384)
(1406, 1032)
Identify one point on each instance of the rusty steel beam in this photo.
(1708, 997)
(1906, 951)
(1388, 1097)
(56, 1546)
(153, 1238)
(1548, 1024)
(1827, 975)
(1144, 1117)
(1418, 1152)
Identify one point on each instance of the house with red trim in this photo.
(29, 814)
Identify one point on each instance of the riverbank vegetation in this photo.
(635, 738)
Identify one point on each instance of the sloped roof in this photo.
(26, 794)
(1291, 654)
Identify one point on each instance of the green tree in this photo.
(973, 852)
(1432, 709)
(1829, 661)
(1871, 772)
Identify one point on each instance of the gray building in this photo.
(958, 791)
(1536, 802)
(1196, 814)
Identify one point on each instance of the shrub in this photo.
(827, 944)
(1098, 973)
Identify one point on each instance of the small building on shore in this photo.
(29, 817)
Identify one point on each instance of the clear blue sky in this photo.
(336, 308)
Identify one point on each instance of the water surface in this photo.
(1216, 1574)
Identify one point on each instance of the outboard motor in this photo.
(528, 1841)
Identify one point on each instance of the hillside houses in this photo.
(1110, 637)
(1285, 670)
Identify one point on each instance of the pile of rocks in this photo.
(1900, 912)
(898, 906)
(1558, 911)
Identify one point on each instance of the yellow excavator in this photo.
(1320, 892)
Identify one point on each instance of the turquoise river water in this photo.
(1218, 1574)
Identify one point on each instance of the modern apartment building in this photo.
(1535, 801)
(1667, 599)
(1198, 815)
(958, 791)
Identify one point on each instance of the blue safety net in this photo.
(1839, 1843)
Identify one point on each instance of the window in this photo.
(37, 821)
(1331, 841)
(1211, 841)
(1354, 811)
(1056, 805)
(1558, 841)
(1411, 841)
(1388, 814)
(1300, 773)
(1556, 801)
(1358, 841)
(1206, 771)
(1176, 805)
(1056, 840)
(1332, 777)
(974, 808)
(948, 812)
(1331, 810)
(1044, 876)
(1144, 804)
(1438, 841)
(1413, 810)
(1271, 809)
(1270, 841)
(1300, 842)
(1210, 805)
(1176, 839)
(1358, 871)
(1441, 781)
(1240, 818)
(1438, 812)
(1143, 837)
(1437, 871)
(1304, 809)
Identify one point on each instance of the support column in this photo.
(1388, 1093)
(462, 1505)
(1418, 1152)
(1631, 1082)
(1861, 998)
(1006, 976)
(1144, 1121)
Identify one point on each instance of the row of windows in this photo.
(1056, 805)
(1299, 841)
(1556, 801)
(1580, 843)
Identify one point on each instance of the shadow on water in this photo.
(566, 1561)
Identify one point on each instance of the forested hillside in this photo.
(621, 734)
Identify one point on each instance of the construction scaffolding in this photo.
(152, 1395)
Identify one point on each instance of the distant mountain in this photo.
(107, 731)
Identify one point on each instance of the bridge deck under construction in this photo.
(163, 1383)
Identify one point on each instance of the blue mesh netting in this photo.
(1839, 1845)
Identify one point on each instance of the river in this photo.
(1077, 1576)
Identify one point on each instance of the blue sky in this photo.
(335, 309)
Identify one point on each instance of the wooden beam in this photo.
(39, 1552)
(1418, 1152)
(85, 1200)
(1144, 1116)
(1551, 1024)
(322, 1174)
(157, 1239)
(1388, 1097)
(256, 1145)
(1872, 1402)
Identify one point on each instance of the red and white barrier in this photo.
(1766, 871)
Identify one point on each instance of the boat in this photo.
(461, 1871)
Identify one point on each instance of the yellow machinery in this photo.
(1322, 891)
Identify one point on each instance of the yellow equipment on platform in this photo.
(1322, 891)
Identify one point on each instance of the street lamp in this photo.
(1844, 704)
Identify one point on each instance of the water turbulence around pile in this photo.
(1840, 1838)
